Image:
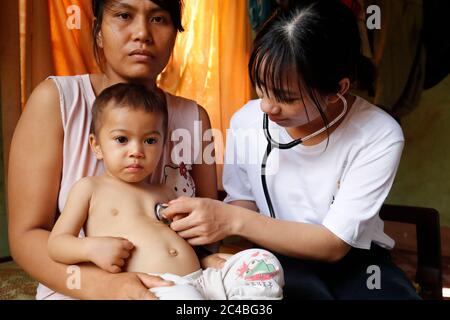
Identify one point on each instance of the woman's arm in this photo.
(209, 221)
(33, 185)
(205, 175)
(295, 239)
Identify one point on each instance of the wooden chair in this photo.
(429, 259)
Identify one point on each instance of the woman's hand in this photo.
(206, 220)
(134, 286)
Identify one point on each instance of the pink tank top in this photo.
(76, 99)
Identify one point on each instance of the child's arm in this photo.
(64, 245)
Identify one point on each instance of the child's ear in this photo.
(95, 147)
(344, 86)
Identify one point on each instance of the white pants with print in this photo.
(253, 274)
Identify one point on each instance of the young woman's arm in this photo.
(316, 242)
(209, 221)
(295, 239)
(205, 175)
(33, 185)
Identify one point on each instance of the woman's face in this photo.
(137, 38)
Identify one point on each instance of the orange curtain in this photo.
(36, 58)
(70, 27)
(209, 64)
(193, 71)
(234, 51)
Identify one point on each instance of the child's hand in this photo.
(109, 253)
(215, 261)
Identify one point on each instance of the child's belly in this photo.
(157, 248)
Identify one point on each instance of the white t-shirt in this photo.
(341, 186)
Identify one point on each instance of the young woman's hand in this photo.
(134, 286)
(216, 260)
(109, 253)
(206, 221)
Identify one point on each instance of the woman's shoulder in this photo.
(75, 93)
(180, 103)
(67, 84)
(46, 91)
(69, 79)
(182, 111)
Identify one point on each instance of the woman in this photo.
(133, 41)
(324, 194)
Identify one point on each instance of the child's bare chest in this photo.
(112, 209)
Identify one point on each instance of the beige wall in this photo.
(423, 177)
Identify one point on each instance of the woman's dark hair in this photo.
(318, 40)
(174, 7)
(128, 95)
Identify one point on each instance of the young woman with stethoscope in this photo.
(332, 157)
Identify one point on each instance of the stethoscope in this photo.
(271, 144)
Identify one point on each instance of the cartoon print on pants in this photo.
(257, 269)
(179, 180)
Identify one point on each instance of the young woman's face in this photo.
(297, 111)
(137, 38)
(130, 143)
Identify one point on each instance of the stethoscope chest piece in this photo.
(159, 208)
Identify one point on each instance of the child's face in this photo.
(130, 143)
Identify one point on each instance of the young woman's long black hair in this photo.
(174, 7)
(318, 40)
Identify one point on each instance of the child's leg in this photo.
(250, 274)
(183, 288)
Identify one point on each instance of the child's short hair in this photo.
(128, 95)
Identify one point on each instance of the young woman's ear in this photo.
(344, 86)
(95, 147)
(99, 39)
